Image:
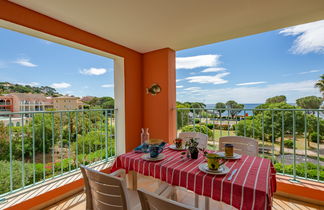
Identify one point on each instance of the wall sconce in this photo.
(153, 90)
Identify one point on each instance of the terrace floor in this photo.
(77, 202)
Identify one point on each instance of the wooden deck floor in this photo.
(77, 202)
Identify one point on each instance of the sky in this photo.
(28, 60)
(251, 69)
(247, 70)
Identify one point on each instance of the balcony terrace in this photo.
(40, 156)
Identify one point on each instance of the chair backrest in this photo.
(104, 191)
(242, 145)
(202, 138)
(152, 201)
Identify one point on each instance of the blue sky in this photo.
(248, 69)
(251, 69)
(28, 60)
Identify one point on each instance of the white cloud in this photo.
(179, 86)
(214, 69)
(309, 72)
(25, 62)
(197, 61)
(194, 89)
(310, 37)
(61, 85)
(30, 84)
(178, 80)
(250, 83)
(293, 91)
(93, 71)
(107, 85)
(216, 79)
(47, 42)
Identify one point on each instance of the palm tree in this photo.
(320, 84)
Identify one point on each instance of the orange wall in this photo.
(133, 60)
(159, 110)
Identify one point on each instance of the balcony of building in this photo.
(41, 155)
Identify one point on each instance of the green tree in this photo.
(320, 84)
(182, 114)
(219, 106)
(276, 99)
(274, 120)
(234, 105)
(310, 102)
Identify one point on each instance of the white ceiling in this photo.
(146, 25)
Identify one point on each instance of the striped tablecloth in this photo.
(251, 187)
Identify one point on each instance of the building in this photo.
(24, 102)
(65, 103)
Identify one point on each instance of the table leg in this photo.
(206, 203)
(132, 180)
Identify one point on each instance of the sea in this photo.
(246, 106)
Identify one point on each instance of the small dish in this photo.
(234, 157)
(220, 171)
(173, 147)
(147, 157)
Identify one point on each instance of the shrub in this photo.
(198, 128)
(65, 164)
(289, 143)
(313, 137)
(197, 121)
(311, 171)
(16, 175)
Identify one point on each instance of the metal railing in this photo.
(38, 146)
(292, 138)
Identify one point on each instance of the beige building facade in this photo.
(25, 102)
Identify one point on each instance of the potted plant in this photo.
(192, 148)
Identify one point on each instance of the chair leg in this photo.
(206, 203)
(196, 200)
(174, 193)
(132, 180)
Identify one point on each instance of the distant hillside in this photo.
(6, 87)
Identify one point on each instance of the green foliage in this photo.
(197, 121)
(182, 115)
(103, 102)
(276, 99)
(92, 141)
(6, 87)
(310, 102)
(218, 106)
(65, 165)
(289, 143)
(16, 175)
(234, 105)
(313, 137)
(320, 84)
(198, 128)
(300, 170)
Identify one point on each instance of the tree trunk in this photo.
(281, 147)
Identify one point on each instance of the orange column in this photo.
(159, 114)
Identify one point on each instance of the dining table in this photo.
(252, 186)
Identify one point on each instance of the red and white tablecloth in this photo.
(252, 186)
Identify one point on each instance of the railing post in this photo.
(294, 148)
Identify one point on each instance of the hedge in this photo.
(300, 170)
(198, 128)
